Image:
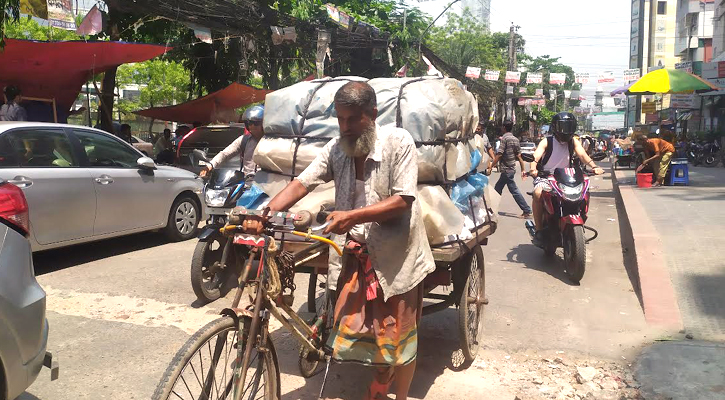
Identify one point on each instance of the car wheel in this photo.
(183, 219)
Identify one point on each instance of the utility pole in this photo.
(511, 67)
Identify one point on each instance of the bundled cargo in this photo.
(440, 115)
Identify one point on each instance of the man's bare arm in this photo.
(343, 221)
(584, 157)
(289, 196)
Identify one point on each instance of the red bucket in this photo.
(644, 180)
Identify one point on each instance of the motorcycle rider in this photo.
(556, 152)
(244, 145)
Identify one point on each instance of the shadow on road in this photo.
(58, 259)
(534, 258)
(27, 396)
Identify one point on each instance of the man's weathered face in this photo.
(357, 129)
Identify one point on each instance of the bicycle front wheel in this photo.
(204, 367)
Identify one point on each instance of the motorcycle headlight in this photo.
(216, 198)
(572, 193)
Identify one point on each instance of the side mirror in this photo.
(200, 155)
(599, 156)
(527, 157)
(146, 163)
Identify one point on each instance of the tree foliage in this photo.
(9, 14)
(161, 83)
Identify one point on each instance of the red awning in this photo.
(59, 69)
(219, 106)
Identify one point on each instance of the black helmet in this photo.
(563, 126)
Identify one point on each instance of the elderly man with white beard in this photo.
(378, 218)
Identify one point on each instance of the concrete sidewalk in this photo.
(677, 234)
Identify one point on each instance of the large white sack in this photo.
(284, 108)
(440, 216)
(431, 110)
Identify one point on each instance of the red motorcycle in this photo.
(565, 213)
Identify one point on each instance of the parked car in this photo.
(528, 148)
(211, 140)
(24, 333)
(84, 184)
(144, 147)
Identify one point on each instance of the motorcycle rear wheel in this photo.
(575, 252)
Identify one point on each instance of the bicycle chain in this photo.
(281, 270)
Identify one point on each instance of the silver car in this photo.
(24, 333)
(84, 184)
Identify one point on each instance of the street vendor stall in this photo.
(54, 72)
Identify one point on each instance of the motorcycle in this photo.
(708, 154)
(565, 213)
(211, 271)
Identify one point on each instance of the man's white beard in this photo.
(360, 146)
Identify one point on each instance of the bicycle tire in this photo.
(197, 345)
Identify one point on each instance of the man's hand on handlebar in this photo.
(205, 171)
(254, 225)
(533, 173)
(341, 222)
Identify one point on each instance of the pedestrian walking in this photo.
(12, 110)
(507, 154)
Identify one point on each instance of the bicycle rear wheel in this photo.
(204, 367)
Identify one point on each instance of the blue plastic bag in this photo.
(460, 192)
(479, 182)
(252, 198)
(475, 159)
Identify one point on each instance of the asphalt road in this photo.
(120, 309)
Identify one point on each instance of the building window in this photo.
(661, 7)
(659, 45)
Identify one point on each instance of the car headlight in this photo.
(572, 193)
(216, 198)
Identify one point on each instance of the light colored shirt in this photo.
(399, 249)
(161, 145)
(358, 232)
(13, 112)
(244, 151)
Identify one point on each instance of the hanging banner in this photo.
(539, 92)
(557, 79)
(534, 77)
(538, 102)
(523, 102)
(582, 78)
(473, 72)
(631, 75)
(509, 89)
(606, 77)
(582, 98)
(552, 94)
(92, 23)
(567, 94)
(522, 90)
(432, 71)
(60, 14)
(574, 94)
(35, 8)
(513, 77)
(492, 75)
(687, 66)
(402, 72)
(323, 42)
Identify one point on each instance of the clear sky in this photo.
(590, 36)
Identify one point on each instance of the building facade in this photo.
(480, 9)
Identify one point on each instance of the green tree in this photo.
(9, 13)
(161, 83)
(29, 28)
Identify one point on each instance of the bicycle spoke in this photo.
(187, 386)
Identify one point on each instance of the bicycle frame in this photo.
(264, 305)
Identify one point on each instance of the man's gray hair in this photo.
(357, 94)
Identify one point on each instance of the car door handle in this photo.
(104, 180)
(21, 182)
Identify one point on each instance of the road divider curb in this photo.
(658, 295)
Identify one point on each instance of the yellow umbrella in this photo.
(671, 81)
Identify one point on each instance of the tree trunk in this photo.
(108, 85)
